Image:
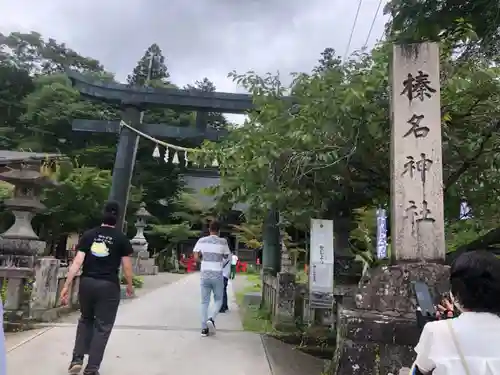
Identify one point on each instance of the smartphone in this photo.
(425, 302)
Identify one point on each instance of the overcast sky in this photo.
(200, 38)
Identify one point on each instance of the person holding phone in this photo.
(469, 343)
(100, 251)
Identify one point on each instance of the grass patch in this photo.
(255, 281)
(137, 281)
(253, 318)
(301, 277)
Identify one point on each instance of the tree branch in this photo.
(455, 176)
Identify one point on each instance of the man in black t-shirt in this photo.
(100, 251)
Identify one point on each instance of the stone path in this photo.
(155, 334)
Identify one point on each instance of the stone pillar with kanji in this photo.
(417, 222)
(377, 334)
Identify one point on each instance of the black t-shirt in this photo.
(104, 248)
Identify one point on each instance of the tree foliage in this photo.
(30, 52)
(472, 25)
(189, 216)
(329, 152)
(326, 154)
(37, 106)
(215, 120)
(153, 62)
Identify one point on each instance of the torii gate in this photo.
(132, 101)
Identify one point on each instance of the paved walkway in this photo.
(156, 334)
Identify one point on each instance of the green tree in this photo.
(472, 25)
(331, 149)
(215, 120)
(159, 71)
(29, 51)
(46, 125)
(159, 180)
(186, 222)
(328, 61)
(75, 204)
(15, 84)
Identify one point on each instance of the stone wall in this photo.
(376, 333)
(33, 293)
(50, 277)
(288, 302)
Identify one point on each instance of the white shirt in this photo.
(234, 260)
(478, 336)
(214, 250)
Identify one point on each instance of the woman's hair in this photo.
(475, 281)
(110, 213)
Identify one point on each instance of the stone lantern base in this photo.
(142, 263)
(377, 334)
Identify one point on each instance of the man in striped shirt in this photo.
(213, 251)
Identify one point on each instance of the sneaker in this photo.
(75, 367)
(211, 326)
(204, 332)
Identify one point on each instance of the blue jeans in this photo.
(207, 287)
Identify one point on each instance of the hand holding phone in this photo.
(446, 309)
(426, 311)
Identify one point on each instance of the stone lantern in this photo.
(20, 244)
(30, 279)
(143, 264)
(139, 242)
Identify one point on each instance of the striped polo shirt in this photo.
(213, 250)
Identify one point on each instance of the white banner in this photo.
(381, 234)
(321, 264)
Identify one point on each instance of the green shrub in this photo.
(4, 290)
(137, 281)
(251, 269)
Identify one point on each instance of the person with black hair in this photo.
(100, 251)
(212, 250)
(468, 344)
